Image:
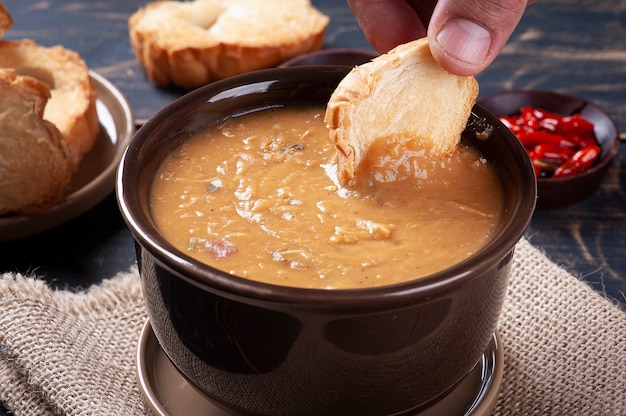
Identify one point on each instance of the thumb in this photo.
(465, 36)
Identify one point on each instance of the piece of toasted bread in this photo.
(189, 44)
(403, 93)
(35, 161)
(72, 105)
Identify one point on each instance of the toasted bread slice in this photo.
(35, 161)
(191, 43)
(72, 106)
(405, 94)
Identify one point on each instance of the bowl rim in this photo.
(206, 276)
(579, 104)
(330, 53)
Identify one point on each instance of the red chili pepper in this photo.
(581, 161)
(548, 121)
(554, 143)
(578, 126)
(541, 119)
(530, 139)
(551, 153)
(513, 123)
(512, 120)
(530, 118)
(582, 141)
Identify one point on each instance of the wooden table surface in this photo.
(577, 49)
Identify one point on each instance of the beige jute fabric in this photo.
(66, 353)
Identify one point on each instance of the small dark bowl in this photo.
(265, 349)
(348, 57)
(555, 193)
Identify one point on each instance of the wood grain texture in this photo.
(575, 48)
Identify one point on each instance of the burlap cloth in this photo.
(69, 353)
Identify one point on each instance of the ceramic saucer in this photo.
(167, 393)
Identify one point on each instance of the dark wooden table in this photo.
(578, 49)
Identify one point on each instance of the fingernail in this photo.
(465, 40)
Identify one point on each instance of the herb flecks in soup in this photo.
(258, 197)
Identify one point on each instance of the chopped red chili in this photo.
(557, 145)
(530, 139)
(581, 161)
(553, 153)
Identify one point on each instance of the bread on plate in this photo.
(48, 121)
(72, 105)
(35, 161)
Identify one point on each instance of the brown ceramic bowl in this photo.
(264, 349)
(339, 56)
(555, 193)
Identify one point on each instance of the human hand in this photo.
(465, 36)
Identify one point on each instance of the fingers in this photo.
(388, 23)
(465, 36)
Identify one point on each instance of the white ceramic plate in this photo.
(95, 178)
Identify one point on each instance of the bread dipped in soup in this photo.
(264, 196)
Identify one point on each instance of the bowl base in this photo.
(166, 392)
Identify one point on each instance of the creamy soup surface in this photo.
(258, 197)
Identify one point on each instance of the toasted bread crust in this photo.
(35, 161)
(189, 44)
(72, 106)
(403, 93)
